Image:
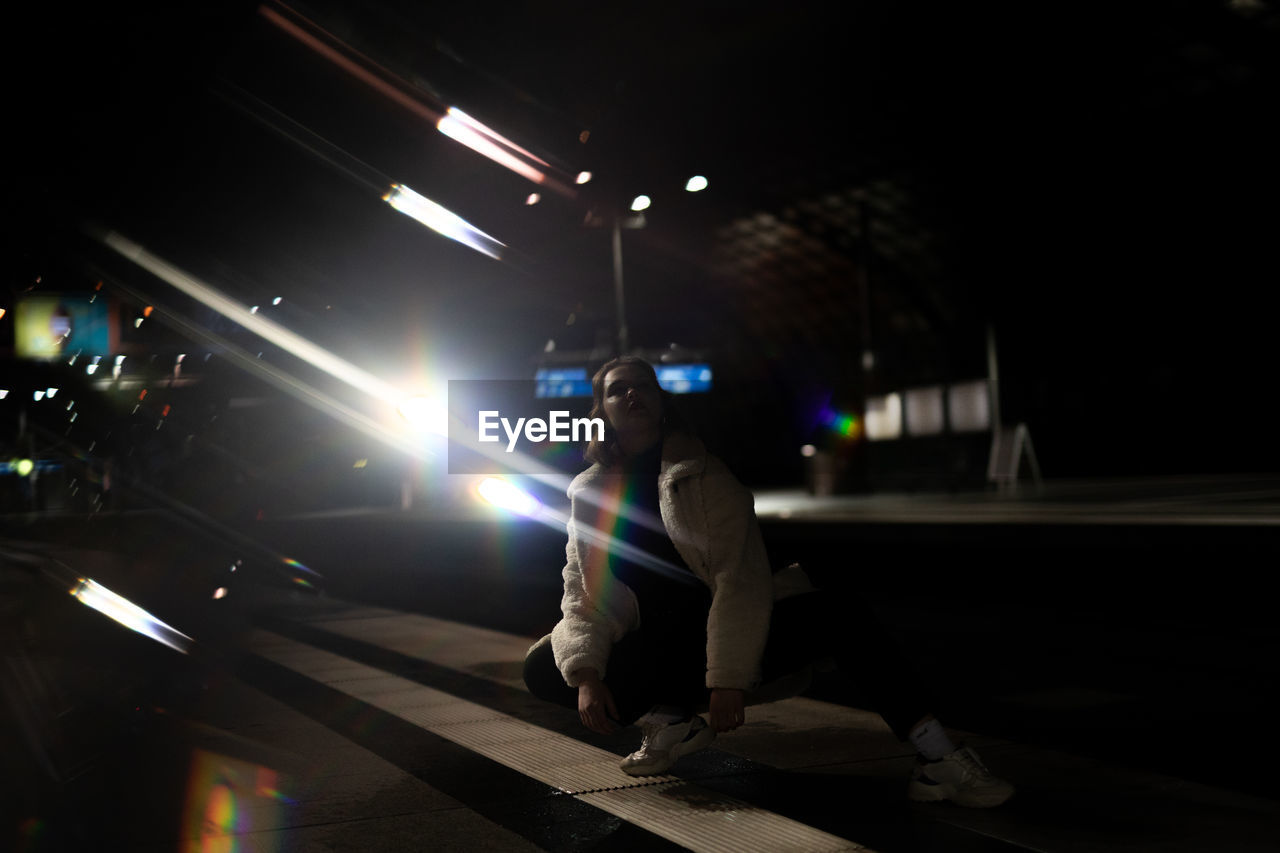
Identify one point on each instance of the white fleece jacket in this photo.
(710, 518)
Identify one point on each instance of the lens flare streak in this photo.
(128, 614)
(450, 121)
(256, 323)
(379, 79)
(510, 497)
(442, 220)
(300, 347)
(460, 127)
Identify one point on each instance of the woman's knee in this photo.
(541, 675)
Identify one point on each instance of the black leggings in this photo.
(644, 671)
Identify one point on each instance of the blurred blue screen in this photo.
(685, 378)
(574, 381)
(562, 382)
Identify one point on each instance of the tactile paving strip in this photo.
(693, 817)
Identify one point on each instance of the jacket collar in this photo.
(683, 455)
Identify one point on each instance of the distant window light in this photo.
(969, 406)
(925, 415)
(884, 417)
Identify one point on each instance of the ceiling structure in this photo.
(884, 178)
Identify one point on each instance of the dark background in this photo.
(1095, 183)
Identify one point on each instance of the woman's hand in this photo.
(595, 705)
(727, 709)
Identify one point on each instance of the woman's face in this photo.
(632, 400)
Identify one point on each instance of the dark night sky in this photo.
(1103, 180)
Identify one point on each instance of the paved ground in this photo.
(308, 721)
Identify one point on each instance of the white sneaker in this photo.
(664, 743)
(958, 776)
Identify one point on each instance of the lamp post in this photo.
(635, 220)
(619, 299)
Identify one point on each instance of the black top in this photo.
(671, 597)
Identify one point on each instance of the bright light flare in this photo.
(442, 220)
(502, 494)
(640, 203)
(425, 414)
(461, 127)
(582, 178)
(128, 614)
(696, 184)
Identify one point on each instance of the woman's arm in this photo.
(741, 582)
(582, 638)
